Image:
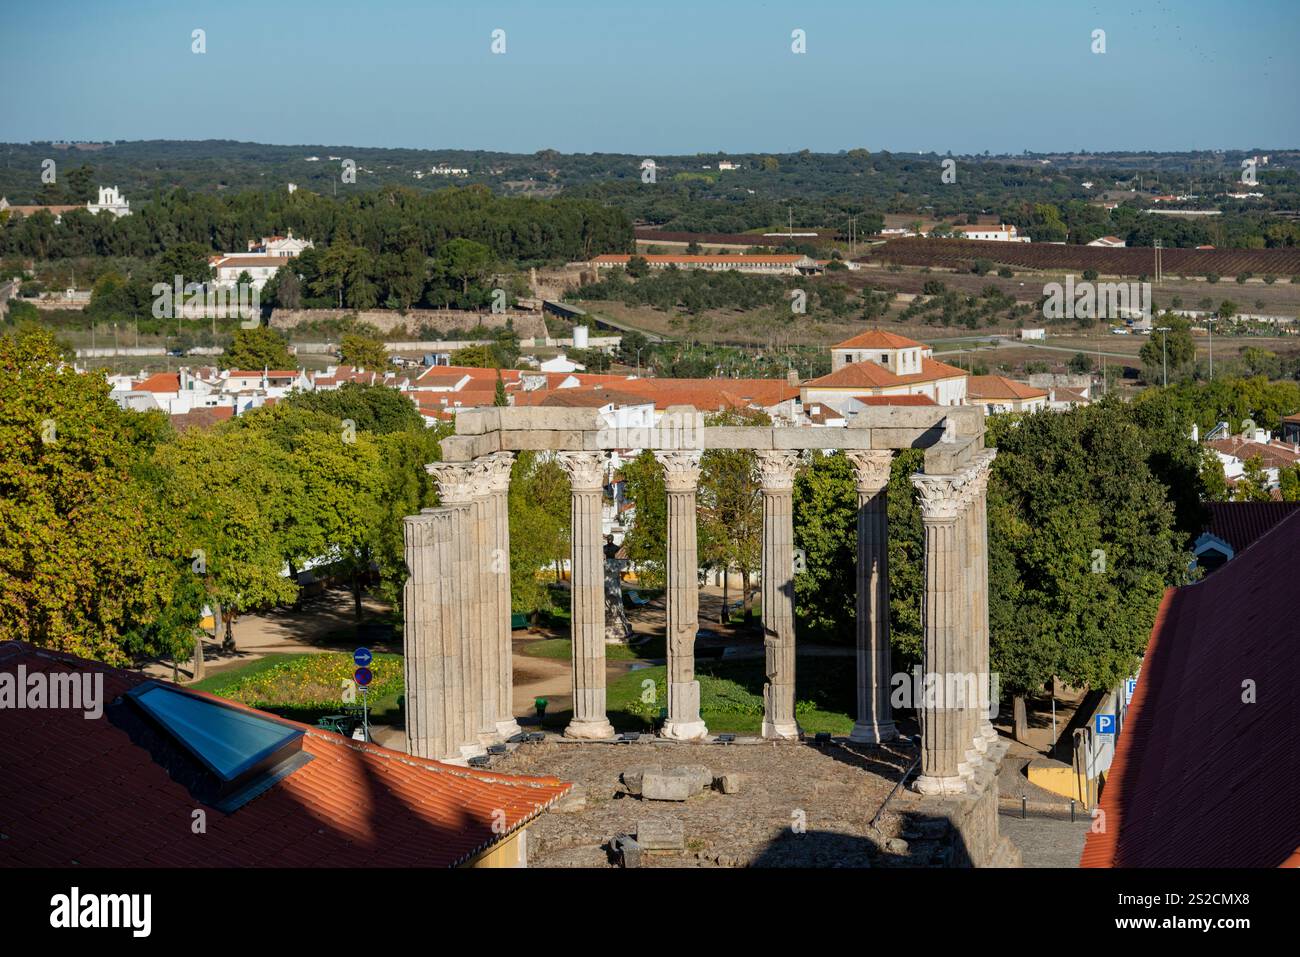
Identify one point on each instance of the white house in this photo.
(878, 367)
(110, 201)
(283, 246)
(993, 234)
(1109, 242)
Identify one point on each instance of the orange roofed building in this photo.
(107, 790)
(884, 366)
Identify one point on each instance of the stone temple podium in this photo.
(457, 598)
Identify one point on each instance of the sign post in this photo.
(363, 676)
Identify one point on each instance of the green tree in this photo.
(362, 349)
(646, 541)
(1252, 486)
(258, 348)
(88, 561)
(730, 508)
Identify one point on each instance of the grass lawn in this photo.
(731, 696)
(305, 687)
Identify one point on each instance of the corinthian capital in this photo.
(871, 469)
(458, 482)
(776, 468)
(586, 470)
(942, 496)
(681, 470)
(496, 470)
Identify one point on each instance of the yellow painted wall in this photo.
(512, 852)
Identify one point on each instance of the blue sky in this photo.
(657, 77)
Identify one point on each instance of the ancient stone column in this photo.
(943, 625)
(486, 638)
(980, 546)
(431, 638)
(458, 483)
(681, 477)
(875, 715)
(586, 472)
(776, 479)
(497, 471)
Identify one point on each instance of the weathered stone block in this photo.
(477, 421)
(802, 438)
(698, 773)
(673, 784)
(661, 835)
(738, 437)
(465, 448)
(548, 419)
(728, 783)
(904, 438)
(628, 850)
(632, 777)
(946, 458)
(540, 440)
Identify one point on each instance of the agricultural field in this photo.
(961, 253)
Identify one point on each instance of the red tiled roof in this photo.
(868, 375)
(1000, 387)
(1200, 778)
(1271, 454)
(878, 339)
(1240, 523)
(78, 791)
(204, 418)
(160, 382)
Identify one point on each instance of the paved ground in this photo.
(1045, 841)
(798, 805)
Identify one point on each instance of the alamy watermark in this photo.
(1096, 300)
(44, 690)
(674, 430)
(196, 300)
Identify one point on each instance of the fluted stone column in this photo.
(875, 721)
(435, 714)
(776, 478)
(497, 470)
(586, 472)
(980, 546)
(943, 624)
(457, 485)
(681, 477)
(487, 644)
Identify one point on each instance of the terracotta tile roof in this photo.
(160, 382)
(1000, 387)
(1272, 454)
(1199, 778)
(87, 791)
(1240, 523)
(878, 339)
(508, 376)
(868, 375)
(204, 418)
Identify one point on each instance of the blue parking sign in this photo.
(1105, 724)
(1130, 686)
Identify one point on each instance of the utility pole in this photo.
(1164, 353)
(1209, 324)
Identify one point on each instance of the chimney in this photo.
(792, 377)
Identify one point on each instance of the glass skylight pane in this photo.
(227, 740)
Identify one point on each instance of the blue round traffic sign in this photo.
(362, 657)
(363, 676)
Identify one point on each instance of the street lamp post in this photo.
(1164, 353)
